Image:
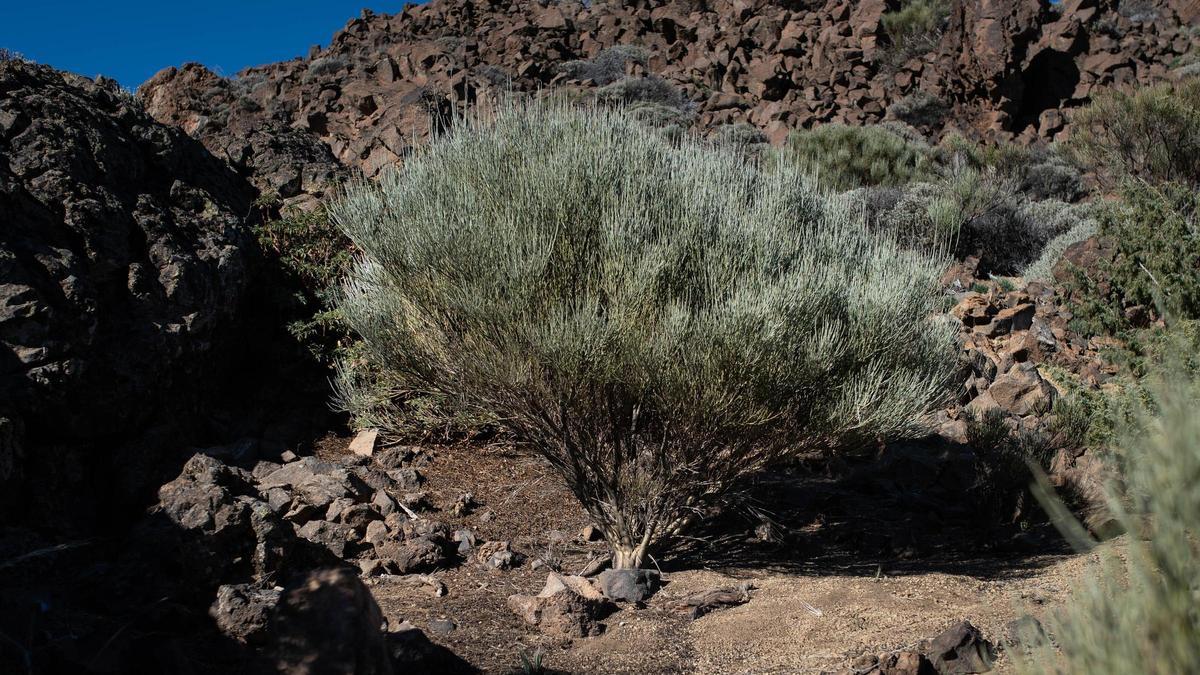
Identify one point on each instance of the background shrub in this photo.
(648, 89)
(979, 212)
(606, 67)
(741, 137)
(844, 157)
(1155, 234)
(658, 320)
(324, 65)
(921, 110)
(914, 29)
(1152, 134)
(1039, 172)
(1003, 458)
(315, 255)
(659, 115)
(1042, 269)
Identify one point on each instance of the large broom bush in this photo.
(658, 320)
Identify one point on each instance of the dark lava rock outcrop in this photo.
(122, 265)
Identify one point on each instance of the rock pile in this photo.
(1007, 336)
(237, 532)
(254, 525)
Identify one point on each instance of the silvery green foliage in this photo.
(1060, 225)
(324, 65)
(741, 137)
(659, 115)
(606, 67)
(1137, 612)
(1049, 176)
(982, 212)
(920, 109)
(648, 89)
(739, 134)
(847, 157)
(658, 319)
(1042, 269)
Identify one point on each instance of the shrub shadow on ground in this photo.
(910, 508)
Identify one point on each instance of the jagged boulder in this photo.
(568, 606)
(243, 611)
(329, 624)
(121, 272)
(210, 523)
(961, 650)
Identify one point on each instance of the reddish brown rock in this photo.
(387, 81)
(567, 607)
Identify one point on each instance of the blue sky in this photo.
(131, 40)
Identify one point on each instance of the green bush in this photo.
(1152, 134)
(1039, 172)
(978, 212)
(844, 157)
(1155, 235)
(648, 89)
(606, 67)
(1138, 612)
(1002, 459)
(914, 29)
(658, 320)
(315, 255)
(1088, 417)
(921, 110)
(741, 137)
(661, 116)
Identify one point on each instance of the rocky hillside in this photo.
(1001, 69)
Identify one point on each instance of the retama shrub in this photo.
(979, 212)
(658, 320)
(913, 29)
(845, 157)
(607, 66)
(1152, 134)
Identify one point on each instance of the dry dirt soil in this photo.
(815, 607)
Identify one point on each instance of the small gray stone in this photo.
(406, 479)
(332, 536)
(376, 533)
(466, 541)
(628, 585)
(383, 503)
(278, 499)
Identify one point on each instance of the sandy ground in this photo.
(808, 615)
